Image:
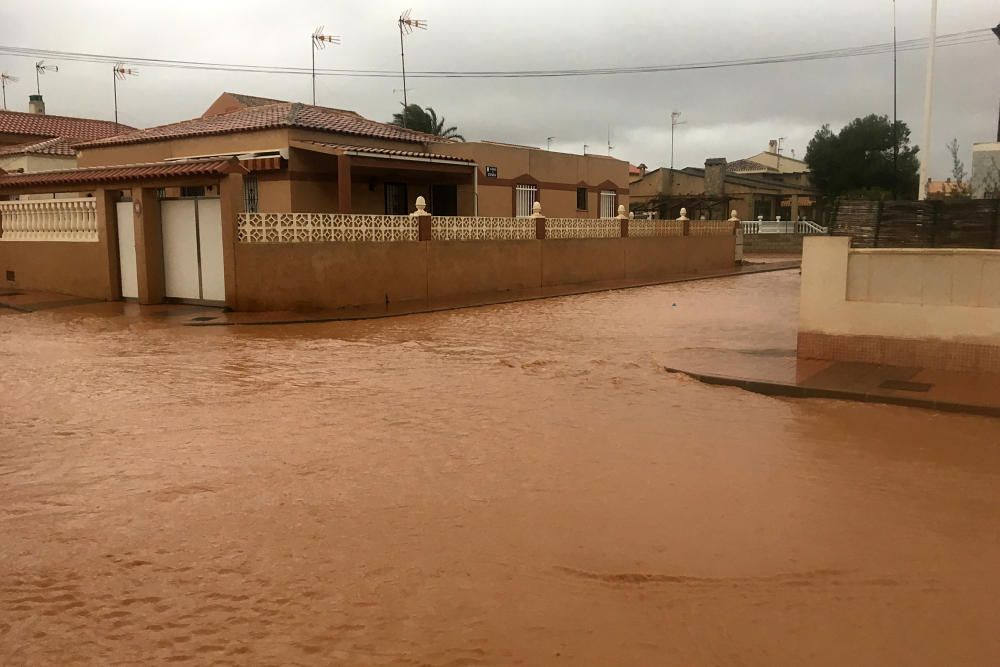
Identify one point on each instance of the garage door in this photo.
(192, 250)
(126, 250)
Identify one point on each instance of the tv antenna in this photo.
(407, 24)
(319, 41)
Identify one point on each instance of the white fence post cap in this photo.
(684, 214)
(421, 208)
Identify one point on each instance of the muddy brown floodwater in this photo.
(511, 485)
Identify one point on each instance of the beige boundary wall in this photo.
(307, 276)
(937, 308)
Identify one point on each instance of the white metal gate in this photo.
(192, 249)
(126, 250)
(609, 204)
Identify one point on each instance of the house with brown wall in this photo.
(715, 190)
(260, 204)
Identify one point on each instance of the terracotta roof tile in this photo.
(391, 151)
(271, 116)
(55, 146)
(43, 125)
(120, 173)
(748, 165)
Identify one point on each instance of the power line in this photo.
(954, 39)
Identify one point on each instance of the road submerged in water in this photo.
(509, 485)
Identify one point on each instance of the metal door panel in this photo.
(126, 250)
(213, 277)
(180, 249)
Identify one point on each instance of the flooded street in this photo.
(519, 484)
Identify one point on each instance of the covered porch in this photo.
(337, 178)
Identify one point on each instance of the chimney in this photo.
(36, 104)
(642, 168)
(715, 176)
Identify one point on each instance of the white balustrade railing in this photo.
(324, 227)
(49, 220)
(462, 228)
(582, 228)
(779, 226)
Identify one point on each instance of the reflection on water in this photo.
(517, 484)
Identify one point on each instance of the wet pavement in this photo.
(511, 484)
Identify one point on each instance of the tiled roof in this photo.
(748, 165)
(43, 125)
(121, 173)
(253, 100)
(55, 146)
(271, 116)
(391, 152)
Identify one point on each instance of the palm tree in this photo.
(425, 120)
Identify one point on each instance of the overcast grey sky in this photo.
(729, 112)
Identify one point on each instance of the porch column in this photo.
(148, 245)
(231, 204)
(107, 236)
(344, 183)
(795, 208)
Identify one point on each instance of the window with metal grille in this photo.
(525, 197)
(250, 193)
(581, 199)
(609, 203)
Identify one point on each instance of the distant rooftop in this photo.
(44, 125)
(272, 116)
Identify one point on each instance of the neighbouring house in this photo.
(35, 141)
(264, 204)
(985, 179)
(946, 188)
(721, 187)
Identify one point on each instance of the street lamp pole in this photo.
(675, 120)
(925, 149)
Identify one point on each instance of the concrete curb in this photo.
(769, 388)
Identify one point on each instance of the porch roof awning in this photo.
(374, 152)
(125, 173)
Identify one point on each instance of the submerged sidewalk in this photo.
(416, 307)
(780, 373)
(26, 301)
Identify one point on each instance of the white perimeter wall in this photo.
(930, 294)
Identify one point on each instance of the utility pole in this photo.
(895, 129)
(925, 149)
(548, 143)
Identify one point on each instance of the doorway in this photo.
(192, 250)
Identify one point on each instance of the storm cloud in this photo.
(728, 112)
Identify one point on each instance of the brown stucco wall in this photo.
(458, 268)
(316, 276)
(304, 276)
(556, 174)
(76, 268)
(192, 146)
